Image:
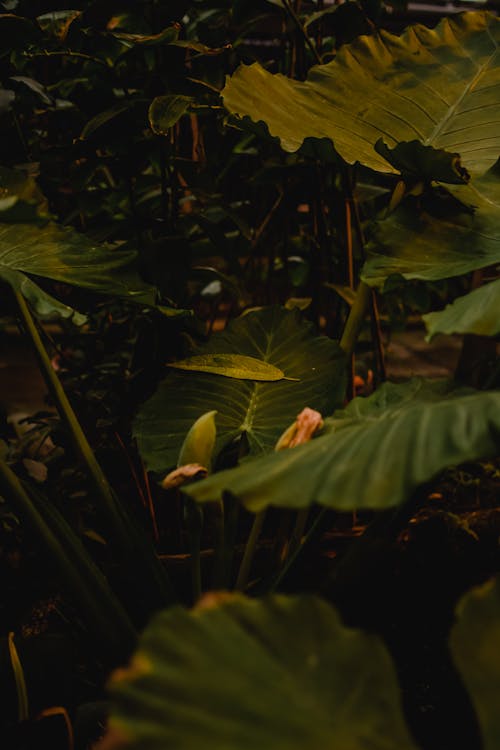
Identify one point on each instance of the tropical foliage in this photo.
(221, 209)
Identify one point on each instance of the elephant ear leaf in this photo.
(259, 402)
(477, 312)
(62, 254)
(236, 673)
(475, 645)
(445, 233)
(373, 454)
(438, 86)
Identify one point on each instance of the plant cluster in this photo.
(225, 208)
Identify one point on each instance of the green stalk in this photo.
(291, 12)
(249, 553)
(194, 521)
(68, 416)
(218, 571)
(356, 318)
(134, 548)
(313, 530)
(84, 582)
(226, 526)
(298, 530)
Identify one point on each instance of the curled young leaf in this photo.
(419, 162)
(199, 443)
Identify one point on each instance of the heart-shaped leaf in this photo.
(477, 312)
(373, 454)
(280, 674)
(475, 645)
(438, 86)
(260, 410)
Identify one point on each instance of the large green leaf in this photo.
(440, 235)
(281, 674)
(373, 454)
(62, 254)
(477, 312)
(261, 410)
(475, 644)
(439, 86)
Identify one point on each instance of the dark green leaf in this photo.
(103, 118)
(260, 410)
(167, 36)
(373, 454)
(283, 673)
(64, 255)
(165, 111)
(448, 233)
(475, 645)
(477, 312)
(427, 163)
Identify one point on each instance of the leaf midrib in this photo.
(440, 127)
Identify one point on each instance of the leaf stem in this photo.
(66, 412)
(129, 538)
(84, 581)
(249, 552)
(290, 561)
(291, 12)
(194, 520)
(356, 317)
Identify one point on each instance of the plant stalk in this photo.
(248, 555)
(291, 12)
(194, 520)
(84, 582)
(313, 530)
(80, 442)
(356, 318)
(129, 538)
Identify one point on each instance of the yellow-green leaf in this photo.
(231, 366)
(199, 444)
(439, 86)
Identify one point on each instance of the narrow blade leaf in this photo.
(230, 366)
